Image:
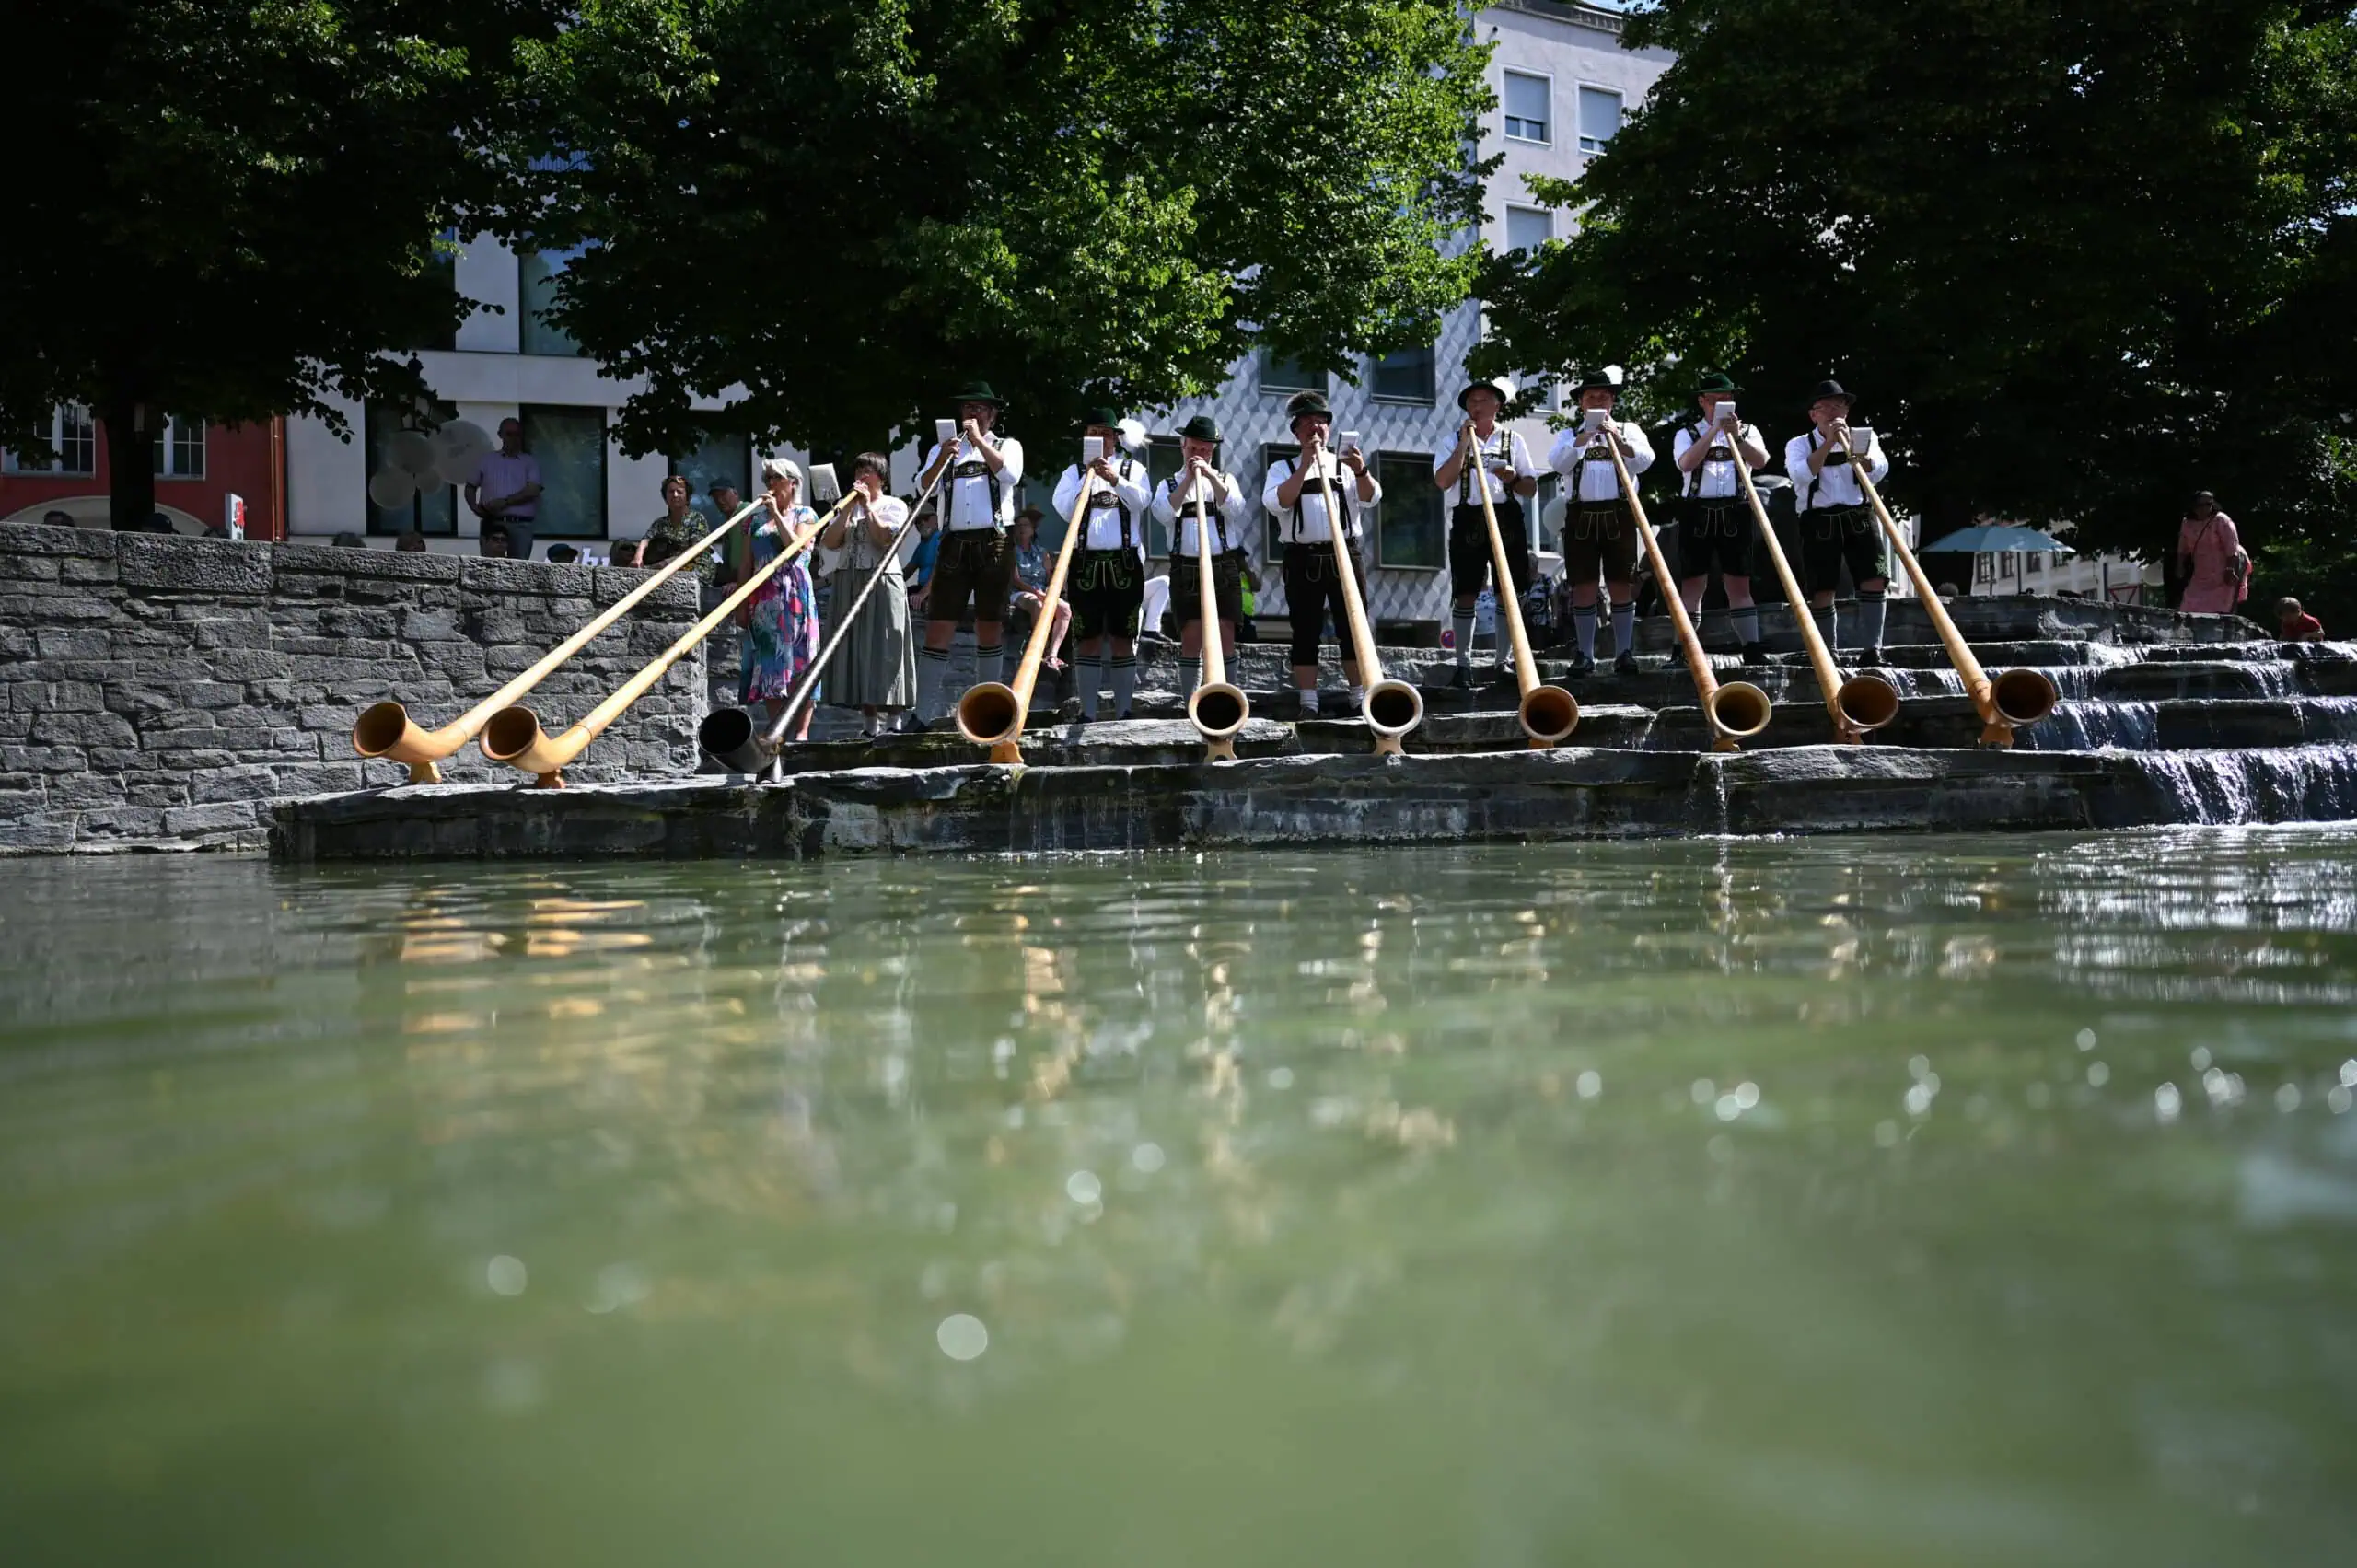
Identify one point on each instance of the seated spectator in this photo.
(2296, 625)
(919, 566)
(493, 541)
(625, 552)
(411, 540)
(157, 523)
(1031, 590)
(55, 519)
(562, 554)
(350, 541)
(217, 530)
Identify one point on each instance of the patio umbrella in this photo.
(1999, 540)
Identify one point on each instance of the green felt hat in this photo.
(978, 392)
(1717, 384)
(1304, 405)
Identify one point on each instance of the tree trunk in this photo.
(131, 469)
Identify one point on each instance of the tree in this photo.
(238, 206)
(2079, 257)
(828, 210)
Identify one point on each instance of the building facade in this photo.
(198, 467)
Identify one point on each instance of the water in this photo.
(1846, 1202)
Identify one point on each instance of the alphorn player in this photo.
(1107, 583)
(1837, 527)
(1199, 477)
(1495, 458)
(1599, 534)
(1319, 549)
(1715, 526)
(976, 563)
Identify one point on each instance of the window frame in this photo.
(1543, 215)
(526, 413)
(1430, 398)
(172, 441)
(61, 465)
(529, 321)
(1263, 358)
(377, 421)
(1579, 127)
(1159, 448)
(1507, 118)
(1415, 471)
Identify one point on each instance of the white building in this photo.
(1562, 82)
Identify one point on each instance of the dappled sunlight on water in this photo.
(1825, 1202)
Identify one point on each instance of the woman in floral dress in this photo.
(780, 620)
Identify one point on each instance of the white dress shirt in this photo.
(969, 485)
(1715, 478)
(1501, 444)
(1314, 526)
(1105, 504)
(1174, 503)
(1835, 487)
(1596, 481)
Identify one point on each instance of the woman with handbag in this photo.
(2210, 559)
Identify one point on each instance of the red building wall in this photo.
(249, 460)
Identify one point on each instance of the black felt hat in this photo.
(1203, 427)
(1832, 388)
(978, 392)
(1498, 384)
(1303, 405)
(1101, 418)
(1598, 382)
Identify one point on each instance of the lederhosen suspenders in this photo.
(1342, 504)
(1212, 514)
(1098, 499)
(1691, 483)
(1831, 459)
(975, 468)
(1465, 496)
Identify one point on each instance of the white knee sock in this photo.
(1871, 613)
(1125, 684)
(1309, 703)
(933, 676)
(988, 663)
(1092, 682)
(1746, 624)
(1462, 624)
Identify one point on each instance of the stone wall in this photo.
(157, 692)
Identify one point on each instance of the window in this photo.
(1402, 378)
(1528, 228)
(180, 449)
(1162, 464)
(72, 437)
(1280, 375)
(716, 459)
(442, 266)
(433, 510)
(1599, 118)
(571, 445)
(537, 273)
(1525, 107)
(1411, 531)
(2034, 564)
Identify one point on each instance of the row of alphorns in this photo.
(994, 713)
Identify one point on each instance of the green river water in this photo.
(1844, 1202)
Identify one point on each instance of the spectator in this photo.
(1247, 629)
(506, 490)
(2210, 559)
(53, 518)
(928, 551)
(2296, 625)
(410, 541)
(1156, 609)
(681, 526)
(779, 620)
(624, 554)
(348, 541)
(495, 541)
(158, 523)
(1031, 567)
(217, 530)
(874, 666)
(562, 554)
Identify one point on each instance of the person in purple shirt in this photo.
(506, 489)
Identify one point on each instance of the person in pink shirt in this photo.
(2209, 559)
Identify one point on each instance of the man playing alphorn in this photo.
(1107, 583)
(1316, 550)
(1716, 527)
(1200, 477)
(1495, 458)
(976, 563)
(1599, 532)
(1838, 526)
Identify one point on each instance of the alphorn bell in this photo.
(2015, 698)
(1393, 707)
(992, 713)
(385, 729)
(741, 744)
(1216, 709)
(1857, 704)
(1548, 713)
(514, 735)
(1734, 712)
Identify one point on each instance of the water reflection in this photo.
(1826, 1187)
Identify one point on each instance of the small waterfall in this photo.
(2082, 725)
(2275, 677)
(2309, 783)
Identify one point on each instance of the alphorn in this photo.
(733, 738)
(514, 735)
(1734, 712)
(992, 713)
(1393, 707)
(1547, 712)
(1857, 704)
(1216, 709)
(386, 730)
(2015, 698)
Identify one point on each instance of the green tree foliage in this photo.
(830, 209)
(2079, 257)
(235, 205)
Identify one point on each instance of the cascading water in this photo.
(2083, 726)
(2306, 784)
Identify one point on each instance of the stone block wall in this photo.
(157, 693)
